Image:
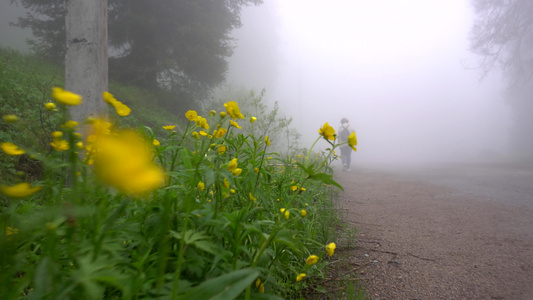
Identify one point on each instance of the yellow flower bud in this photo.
(50, 106)
(312, 259)
(10, 118)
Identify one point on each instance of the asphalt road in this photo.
(439, 231)
(504, 183)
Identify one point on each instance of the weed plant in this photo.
(201, 212)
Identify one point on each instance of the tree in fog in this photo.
(175, 45)
(503, 36)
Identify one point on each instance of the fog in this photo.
(400, 71)
(11, 36)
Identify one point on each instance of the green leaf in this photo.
(257, 296)
(43, 278)
(198, 239)
(326, 178)
(321, 289)
(227, 286)
(150, 132)
(186, 158)
(284, 236)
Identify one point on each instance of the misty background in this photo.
(401, 71)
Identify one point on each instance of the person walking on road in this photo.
(346, 151)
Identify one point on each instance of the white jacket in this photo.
(347, 126)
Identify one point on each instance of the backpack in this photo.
(344, 134)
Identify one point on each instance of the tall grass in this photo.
(141, 212)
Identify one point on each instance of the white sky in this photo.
(400, 70)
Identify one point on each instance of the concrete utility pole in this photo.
(86, 57)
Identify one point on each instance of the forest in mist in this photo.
(420, 81)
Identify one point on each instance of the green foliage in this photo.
(25, 83)
(179, 46)
(215, 228)
(270, 121)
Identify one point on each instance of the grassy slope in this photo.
(25, 82)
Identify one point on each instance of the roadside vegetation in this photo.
(146, 204)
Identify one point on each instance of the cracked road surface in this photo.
(441, 232)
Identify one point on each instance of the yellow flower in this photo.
(92, 138)
(50, 106)
(202, 122)
(262, 288)
(256, 170)
(233, 191)
(79, 145)
(10, 230)
(221, 149)
(156, 143)
(100, 126)
(109, 98)
(267, 141)
(327, 131)
(57, 134)
(303, 213)
(237, 171)
(191, 115)
(124, 160)
(220, 132)
(311, 260)
(226, 183)
(223, 114)
(70, 124)
(121, 108)
(235, 124)
(60, 145)
(201, 186)
(10, 118)
(169, 127)
(300, 277)
(203, 133)
(287, 214)
(352, 141)
(282, 210)
(253, 119)
(12, 149)
(330, 248)
(233, 110)
(195, 135)
(232, 164)
(294, 188)
(20, 190)
(257, 282)
(252, 197)
(212, 112)
(66, 97)
(303, 189)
